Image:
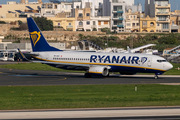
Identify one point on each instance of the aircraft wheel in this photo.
(156, 76)
(107, 75)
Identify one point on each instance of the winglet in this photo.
(22, 55)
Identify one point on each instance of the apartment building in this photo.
(175, 26)
(129, 2)
(132, 21)
(13, 7)
(174, 23)
(160, 9)
(52, 9)
(98, 23)
(147, 24)
(134, 8)
(65, 23)
(115, 9)
(82, 17)
(96, 7)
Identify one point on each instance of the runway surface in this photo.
(151, 113)
(13, 77)
(29, 77)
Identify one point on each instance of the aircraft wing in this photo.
(139, 48)
(67, 66)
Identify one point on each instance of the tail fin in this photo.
(38, 42)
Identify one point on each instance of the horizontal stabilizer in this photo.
(23, 57)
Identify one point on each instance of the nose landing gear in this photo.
(156, 74)
(156, 77)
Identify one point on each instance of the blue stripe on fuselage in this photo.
(134, 69)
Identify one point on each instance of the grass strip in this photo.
(87, 96)
(34, 66)
(44, 67)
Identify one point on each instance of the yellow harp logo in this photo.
(35, 36)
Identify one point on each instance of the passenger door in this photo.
(149, 62)
(5, 56)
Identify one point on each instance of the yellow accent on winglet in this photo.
(21, 54)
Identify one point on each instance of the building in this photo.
(1, 38)
(53, 9)
(17, 8)
(82, 18)
(65, 23)
(12, 11)
(134, 8)
(160, 9)
(129, 2)
(50, 9)
(147, 24)
(115, 9)
(27, 46)
(175, 26)
(98, 23)
(96, 7)
(132, 21)
(174, 23)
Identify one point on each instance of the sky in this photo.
(175, 4)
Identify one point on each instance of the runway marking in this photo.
(169, 83)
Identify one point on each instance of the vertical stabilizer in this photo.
(38, 42)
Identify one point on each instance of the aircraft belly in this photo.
(134, 69)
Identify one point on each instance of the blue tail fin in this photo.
(38, 42)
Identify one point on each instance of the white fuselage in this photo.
(116, 61)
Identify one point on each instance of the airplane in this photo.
(93, 63)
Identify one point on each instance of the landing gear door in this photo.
(149, 62)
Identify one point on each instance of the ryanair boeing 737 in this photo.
(91, 62)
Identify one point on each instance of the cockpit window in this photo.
(161, 60)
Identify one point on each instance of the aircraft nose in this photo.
(170, 66)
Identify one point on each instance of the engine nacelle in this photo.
(99, 70)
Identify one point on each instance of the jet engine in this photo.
(99, 70)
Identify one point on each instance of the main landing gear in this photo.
(156, 76)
